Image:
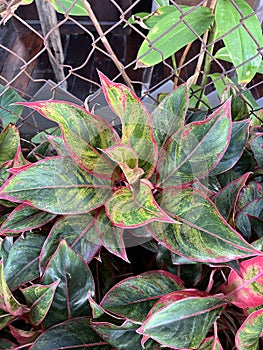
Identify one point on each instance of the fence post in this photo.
(48, 20)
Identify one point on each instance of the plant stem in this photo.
(106, 44)
(181, 62)
(209, 45)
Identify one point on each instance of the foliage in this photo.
(146, 239)
(172, 27)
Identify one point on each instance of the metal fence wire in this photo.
(48, 54)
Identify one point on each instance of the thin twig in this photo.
(181, 62)
(106, 44)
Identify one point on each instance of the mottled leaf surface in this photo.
(79, 232)
(134, 296)
(239, 136)
(246, 291)
(82, 132)
(25, 268)
(110, 236)
(123, 337)
(72, 334)
(184, 323)
(225, 199)
(130, 209)
(211, 343)
(39, 298)
(169, 115)
(249, 333)
(57, 185)
(9, 143)
(137, 130)
(5, 319)
(194, 150)
(203, 234)
(252, 209)
(127, 160)
(23, 218)
(257, 148)
(76, 282)
(8, 302)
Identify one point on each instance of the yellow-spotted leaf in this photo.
(182, 324)
(247, 337)
(203, 234)
(169, 115)
(242, 38)
(195, 149)
(133, 297)
(246, 291)
(129, 209)
(57, 185)
(39, 298)
(127, 160)
(8, 302)
(83, 133)
(137, 130)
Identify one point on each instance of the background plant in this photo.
(128, 239)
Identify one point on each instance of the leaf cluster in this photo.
(147, 239)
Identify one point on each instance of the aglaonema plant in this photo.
(182, 189)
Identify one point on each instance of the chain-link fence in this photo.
(151, 48)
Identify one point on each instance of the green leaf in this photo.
(9, 114)
(130, 209)
(194, 150)
(5, 319)
(257, 147)
(225, 199)
(203, 234)
(238, 141)
(57, 185)
(184, 323)
(43, 135)
(24, 218)
(122, 337)
(72, 334)
(110, 236)
(79, 232)
(83, 134)
(65, 7)
(8, 302)
(127, 160)
(7, 344)
(239, 43)
(76, 282)
(169, 115)
(249, 333)
(39, 299)
(170, 34)
(242, 219)
(9, 143)
(162, 2)
(24, 269)
(59, 145)
(211, 343)
(137, 130)
(134, 296)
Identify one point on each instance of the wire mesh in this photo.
(61, 60)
